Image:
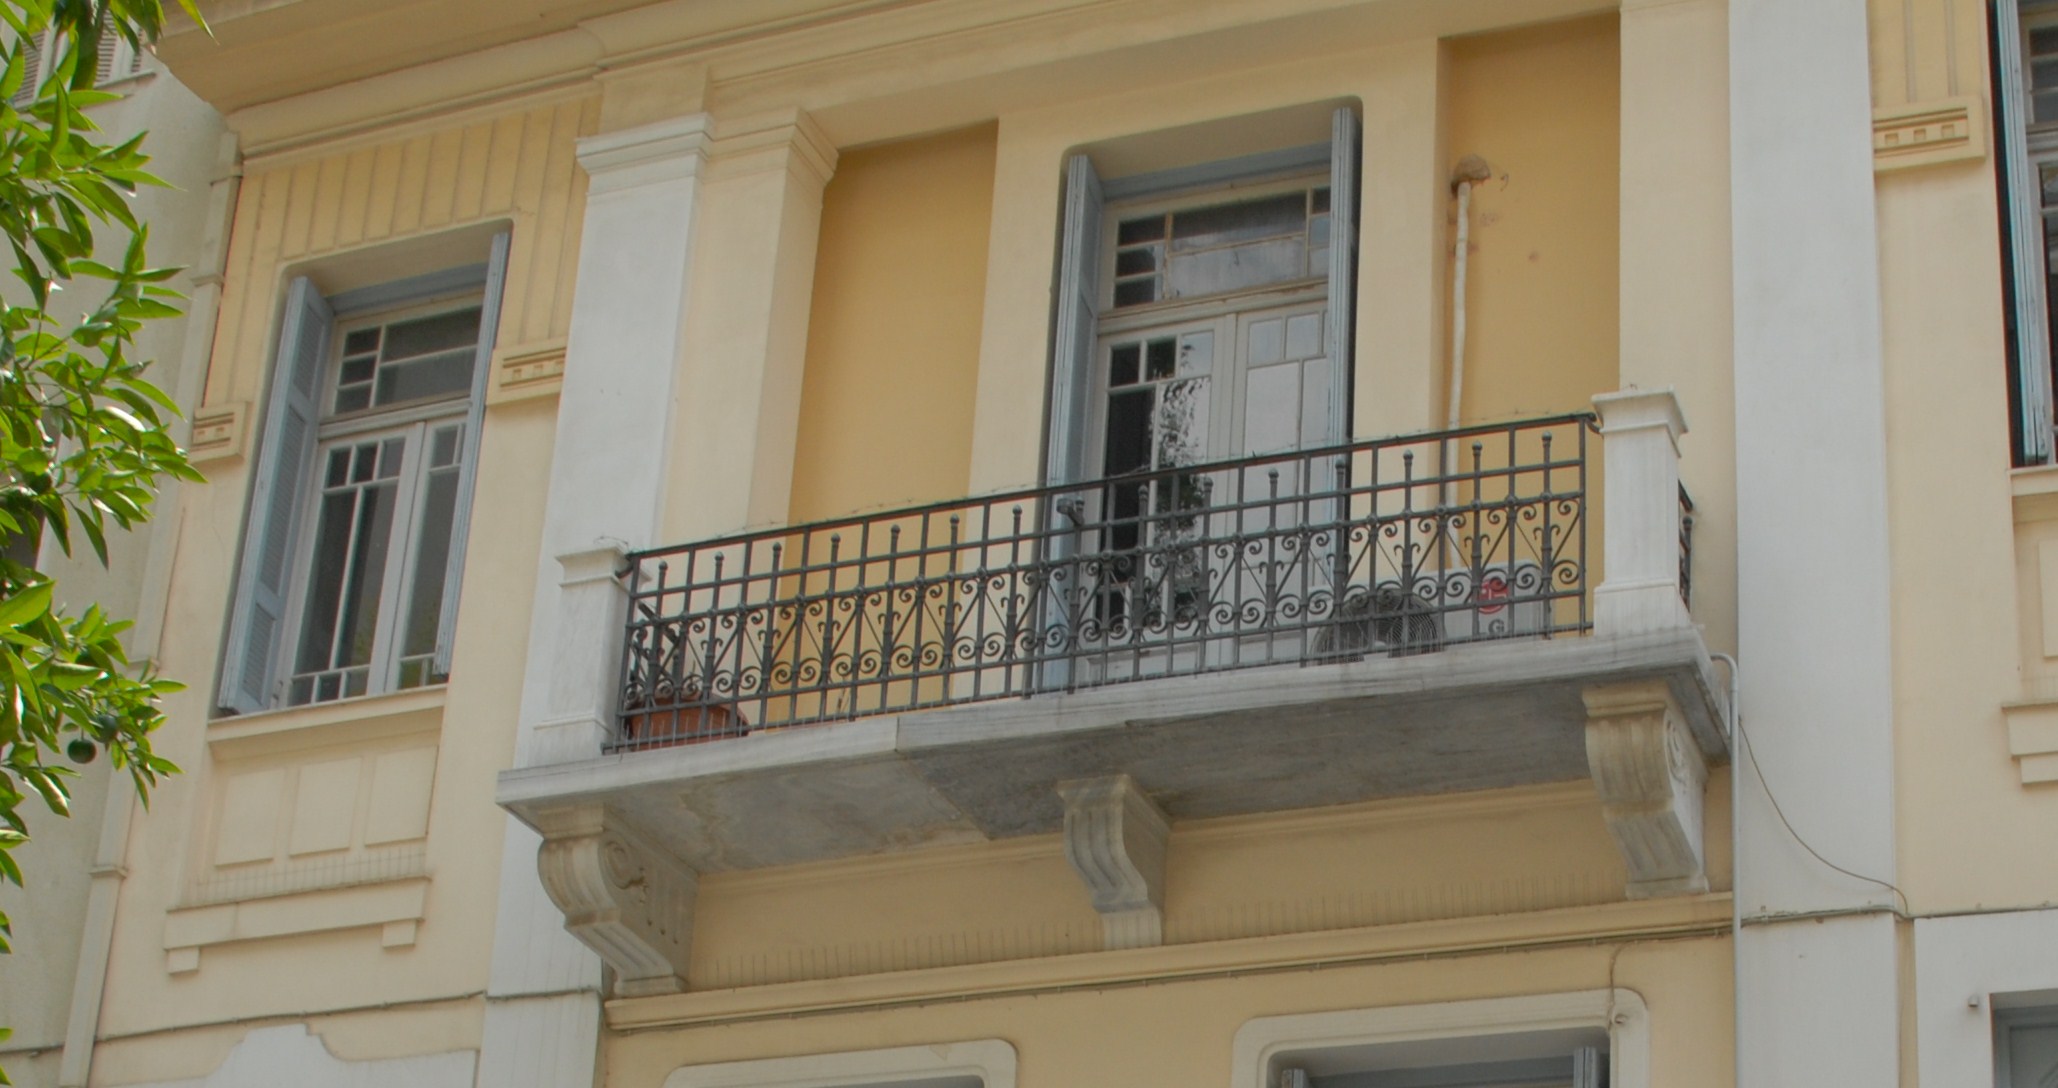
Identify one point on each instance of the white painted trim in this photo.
(1621, 1012)
(992, 1061)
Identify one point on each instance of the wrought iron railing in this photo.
(1686, 547)
(1395, 545)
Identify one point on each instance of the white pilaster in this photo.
(607, 488)
(1817, 999)
(1641, 511)
(747, 334)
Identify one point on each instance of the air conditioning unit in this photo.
(1459, 604)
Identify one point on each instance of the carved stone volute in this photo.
(1115, 839)
(622, 896)
(1651, 778)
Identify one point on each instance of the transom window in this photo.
(1223, 247)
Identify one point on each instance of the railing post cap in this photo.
(1626, 409)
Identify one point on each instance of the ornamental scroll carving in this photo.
(1115, 839)
(622, 896)
(1651, 778)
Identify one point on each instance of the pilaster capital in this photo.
(1641, 409)
(1651, 777)
(662, 151)
(623, 896)
(785, 139)
(1115, 838)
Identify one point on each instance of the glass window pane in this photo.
(427, 335)
(431, 560)
(1225, 224)
(325, 585)
(361, 342)
(366, 576)
(1318, 201)
(2045, 105)
(1159, 355)
(2043, 40)
(1148, 229)
(1123, 360)
(1130, 262)
(2044, 74)
(419, 379)
(443, 446)
(358, 370)
(1128, 445)
(355, 399)
(1216, 271)
(1135, 292)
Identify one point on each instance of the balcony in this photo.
(1390, 617)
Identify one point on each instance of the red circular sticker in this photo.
(1493, 587)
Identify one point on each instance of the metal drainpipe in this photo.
(110, 856)
(1736, 842)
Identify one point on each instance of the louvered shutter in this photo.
(1071, 380)
(2027, 265)
(1343, 266)
(32, 71)
(1071, 383)
(283, 470)
(468, 470)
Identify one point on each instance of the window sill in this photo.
(362, 718)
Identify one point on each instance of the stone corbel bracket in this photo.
(1115, 839)
(622, 896)
(1651, 777)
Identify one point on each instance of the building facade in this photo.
(1016, 542)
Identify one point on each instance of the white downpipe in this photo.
(1470, 171)
(1457, 392)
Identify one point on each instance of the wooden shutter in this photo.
(31, 71)
(1078, 309)
(2025, 213)
(1343, 267)
(1071, 383)
(468, 468)
(283, 470)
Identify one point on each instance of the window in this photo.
(1204, 316)
(2026, 1047)
(117, 60)
(2026, 74)
(355, 539)
(1589, 1039)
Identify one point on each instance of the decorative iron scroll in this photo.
(1396, 545)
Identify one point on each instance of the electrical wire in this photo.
(1750, 752)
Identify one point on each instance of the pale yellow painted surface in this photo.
(1540, 107)
(1179, 1032)
(1384, 863)
(893, 340)
(373, 208)
(1967, 599)
(1927, 49)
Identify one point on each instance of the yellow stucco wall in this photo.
(893, 337)
(353, 212)
(1173, 1031)
(1541, 106)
